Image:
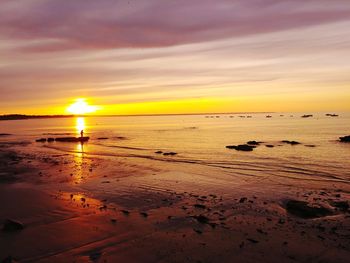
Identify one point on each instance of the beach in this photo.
(166, 189)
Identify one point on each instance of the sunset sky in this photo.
(174, 56)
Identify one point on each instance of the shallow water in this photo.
(201, 139)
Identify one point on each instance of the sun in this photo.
(81, 107)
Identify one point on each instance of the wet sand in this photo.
(96, 209)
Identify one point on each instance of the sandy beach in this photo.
(83, 207)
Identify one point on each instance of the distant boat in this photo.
(332, 115)
(268, 116)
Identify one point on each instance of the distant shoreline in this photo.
(9, 117)
(14, 117)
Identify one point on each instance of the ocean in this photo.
(200, 142)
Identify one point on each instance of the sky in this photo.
(174, 56)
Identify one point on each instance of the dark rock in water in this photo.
(12, 226)
(41, 140)
(241, 147)
(345, 138)
(198, 231)
(125, 212)
(310, 145)
(9, 260)
(252, 240)
(95, 256)
(307, 116)
(50, 139)
(8, 178)
(170, 153)
(243, 199)
(120, 138)
(102, 138)
(5, 134)
(253, 143)
(72, 139)
(341, 205)
(291, 142)
(202, 219)
(144, 214)
(303, 210)
(200, 206)
(332, 115)
(269, 145)
(158, 152)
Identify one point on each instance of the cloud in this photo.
(109, 24)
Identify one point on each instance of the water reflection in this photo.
(79, 151)
(80, 125)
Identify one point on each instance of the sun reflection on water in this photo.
(80, 125)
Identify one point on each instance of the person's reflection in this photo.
(79, 153)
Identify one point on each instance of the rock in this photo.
(170, 153)
(125, 212)
(269, 145)
(41, 140)
(102, 138)
(310, 145)
(307, 116)
(198, 231)
(95, 256)
(12, 226)
(202, 219)
(252, 240)
(72, 139)
(103, 207)
(345, 138)
(144, 214)
(241, 147)
(303, 210)
(200, 206)
(50, 139)
(243, 199)
(5, 134)
(120, 138)
(158, 152)
(253, 143)
(9, 259)
(341, 205)
(291, 142)
(268, 116)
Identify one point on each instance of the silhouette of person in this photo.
(82, 133)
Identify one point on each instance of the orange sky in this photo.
(161, 57)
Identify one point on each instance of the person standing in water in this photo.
(82, 133)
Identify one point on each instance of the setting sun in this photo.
(81, 107)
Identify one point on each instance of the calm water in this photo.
(201, 140)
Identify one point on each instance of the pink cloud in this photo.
(106, 24)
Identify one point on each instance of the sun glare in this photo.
(81, 107)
